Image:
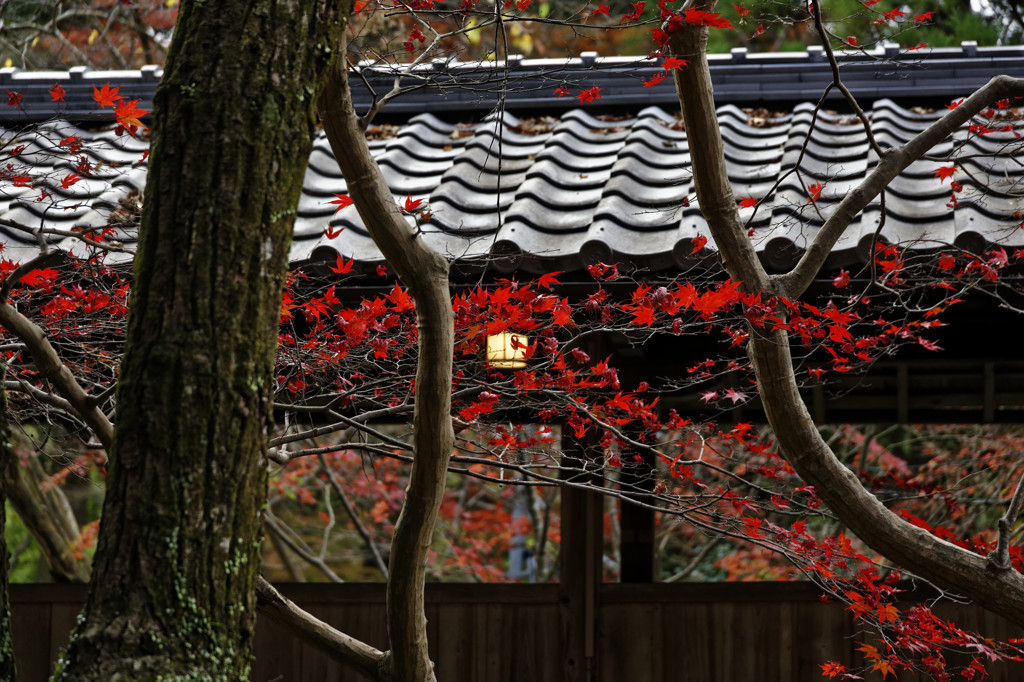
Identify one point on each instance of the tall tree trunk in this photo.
(7, 667)
(172, 594)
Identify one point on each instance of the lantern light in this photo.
(507, 350)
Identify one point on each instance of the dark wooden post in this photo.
(580, 561)
(636, 524)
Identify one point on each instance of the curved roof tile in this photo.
(562, 193)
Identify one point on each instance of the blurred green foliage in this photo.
(27, 564)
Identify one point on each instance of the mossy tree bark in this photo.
(172, 595)
(7, 667)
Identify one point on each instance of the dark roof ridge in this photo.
(466, 87)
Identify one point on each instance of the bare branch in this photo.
(57, 373)
(334, 643)
(838, 82)
(352, 514)
(278, 527)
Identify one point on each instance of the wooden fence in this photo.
(722, 632)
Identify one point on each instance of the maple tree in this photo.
(429, 347)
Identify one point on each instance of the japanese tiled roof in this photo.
(556, 192)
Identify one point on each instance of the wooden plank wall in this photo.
(723, 632)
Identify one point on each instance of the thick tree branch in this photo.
(889, 166)
(39, 395)
(1000, 559)
(53, 370)
(941, 562)
(714, 191)
(948, 566)
(338, 645)
(425, 273)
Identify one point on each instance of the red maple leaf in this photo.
(331, 232)
(841, 280)
(758, 31)
(698, 244)
(839, 334)
(342, 201)
(561, 92)
(813, 192)
(561, 316)
(128, 114)
(69, 180)
(674, 63)
(741, 10)
(342, 267)
(924, 16)
(40, 278)
(546, 280)
(944, 172)
(655, 79)
(601, 9)
(603, 271)
(411, 204)
(748, 202)
(894, 14)
(590, 94)
(638, 9)
(643, 315)
(851, 41)
(57, 93)
(73, 143)
(13, 98)
(831, 669)
(400, 299)
(705, 18)
(106, 96)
